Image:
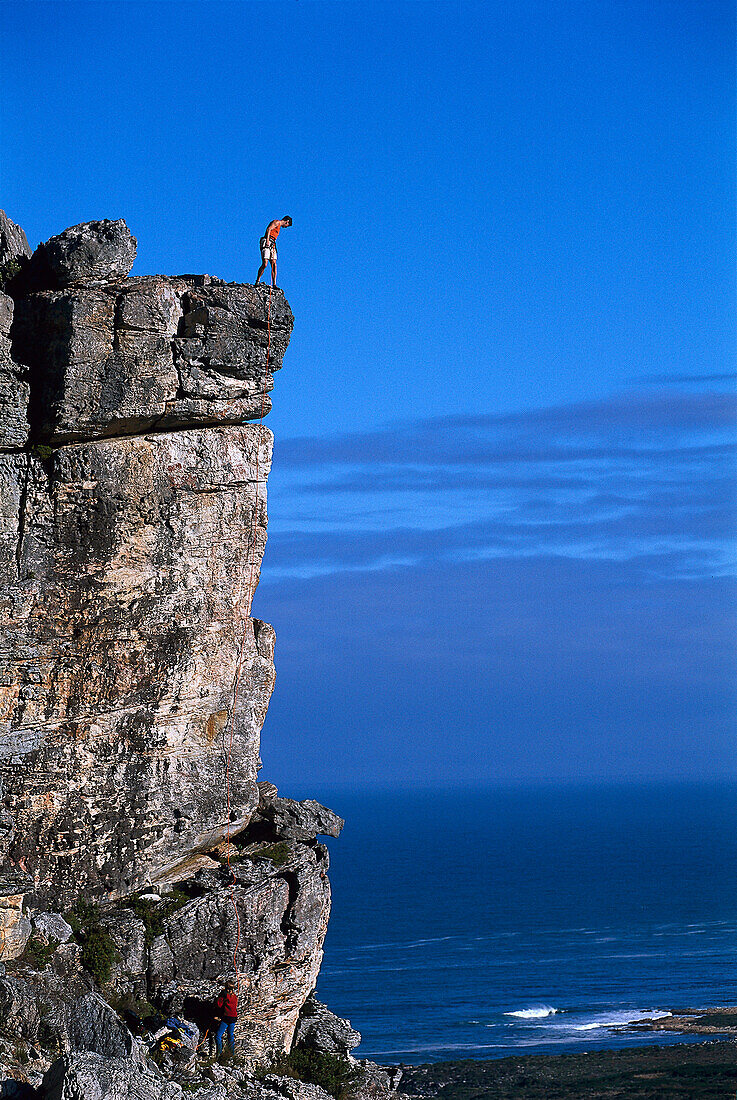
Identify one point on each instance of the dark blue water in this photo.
(461, 920)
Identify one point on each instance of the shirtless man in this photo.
(268, 247)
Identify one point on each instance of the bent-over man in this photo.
(268, 247)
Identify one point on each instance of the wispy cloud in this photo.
(647, 476)
(686, 379)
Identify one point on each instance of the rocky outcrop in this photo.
(267, 914)
(14, 247)
(56, 1008)
(92, 1077)
(129, 555)
(148, 354)
(90, 254)
(320, 1029)
(283, 817)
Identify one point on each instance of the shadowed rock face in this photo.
(129, 555)
(149, 353)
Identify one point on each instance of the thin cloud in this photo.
(685, 379)
(592, 429)
(622, 478)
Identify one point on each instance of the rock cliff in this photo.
(134, 523)
(132, 529)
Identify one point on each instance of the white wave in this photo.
(534, 1013)
(401, 944)
(621, 1019)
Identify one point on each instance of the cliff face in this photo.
(132, 530)
(134, 525)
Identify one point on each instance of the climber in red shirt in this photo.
(227, 1013)
(268, 247)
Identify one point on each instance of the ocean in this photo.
(528, 920)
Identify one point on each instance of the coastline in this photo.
(705, 1021)
(705, 1070)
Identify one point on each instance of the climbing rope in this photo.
(239, 662)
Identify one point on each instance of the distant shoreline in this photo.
(704, 1070)
(705, 1021)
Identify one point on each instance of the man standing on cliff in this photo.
(268, 247)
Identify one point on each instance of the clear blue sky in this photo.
(503, 499)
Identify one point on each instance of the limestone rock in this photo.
(149, 353)
(373, 1082)
(128, 934)
(291, 1089)
(89, 254)
(56, 1006)
(14, 389)
(52, 926)
(320, 1029)
(13, 241)
(15, 927)
(93, 1077)
(130, 565)
(93, 1026)
(284, 817)
(282, 913)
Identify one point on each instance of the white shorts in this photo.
(268, 251)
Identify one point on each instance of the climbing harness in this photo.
(239, 662)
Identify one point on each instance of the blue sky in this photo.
(502, 510)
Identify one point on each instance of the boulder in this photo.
(89, 254)
(291, 820)
(93, 1077)
(93, 1026)
(63, 1010)
(52, 926)
(292, 1089)
(373, 1082)
(320, 1029)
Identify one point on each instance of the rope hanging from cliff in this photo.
(239, 662)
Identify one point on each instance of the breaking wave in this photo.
(534, 1013)
(621, 1019)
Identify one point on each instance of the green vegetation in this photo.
(329, 1071)
(130, 1003)
(98, 949)
(42, 451)
(98, 955)
(278, 853)
(37, 953)
(21, 1055)
(8, 271)
(154, 913)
